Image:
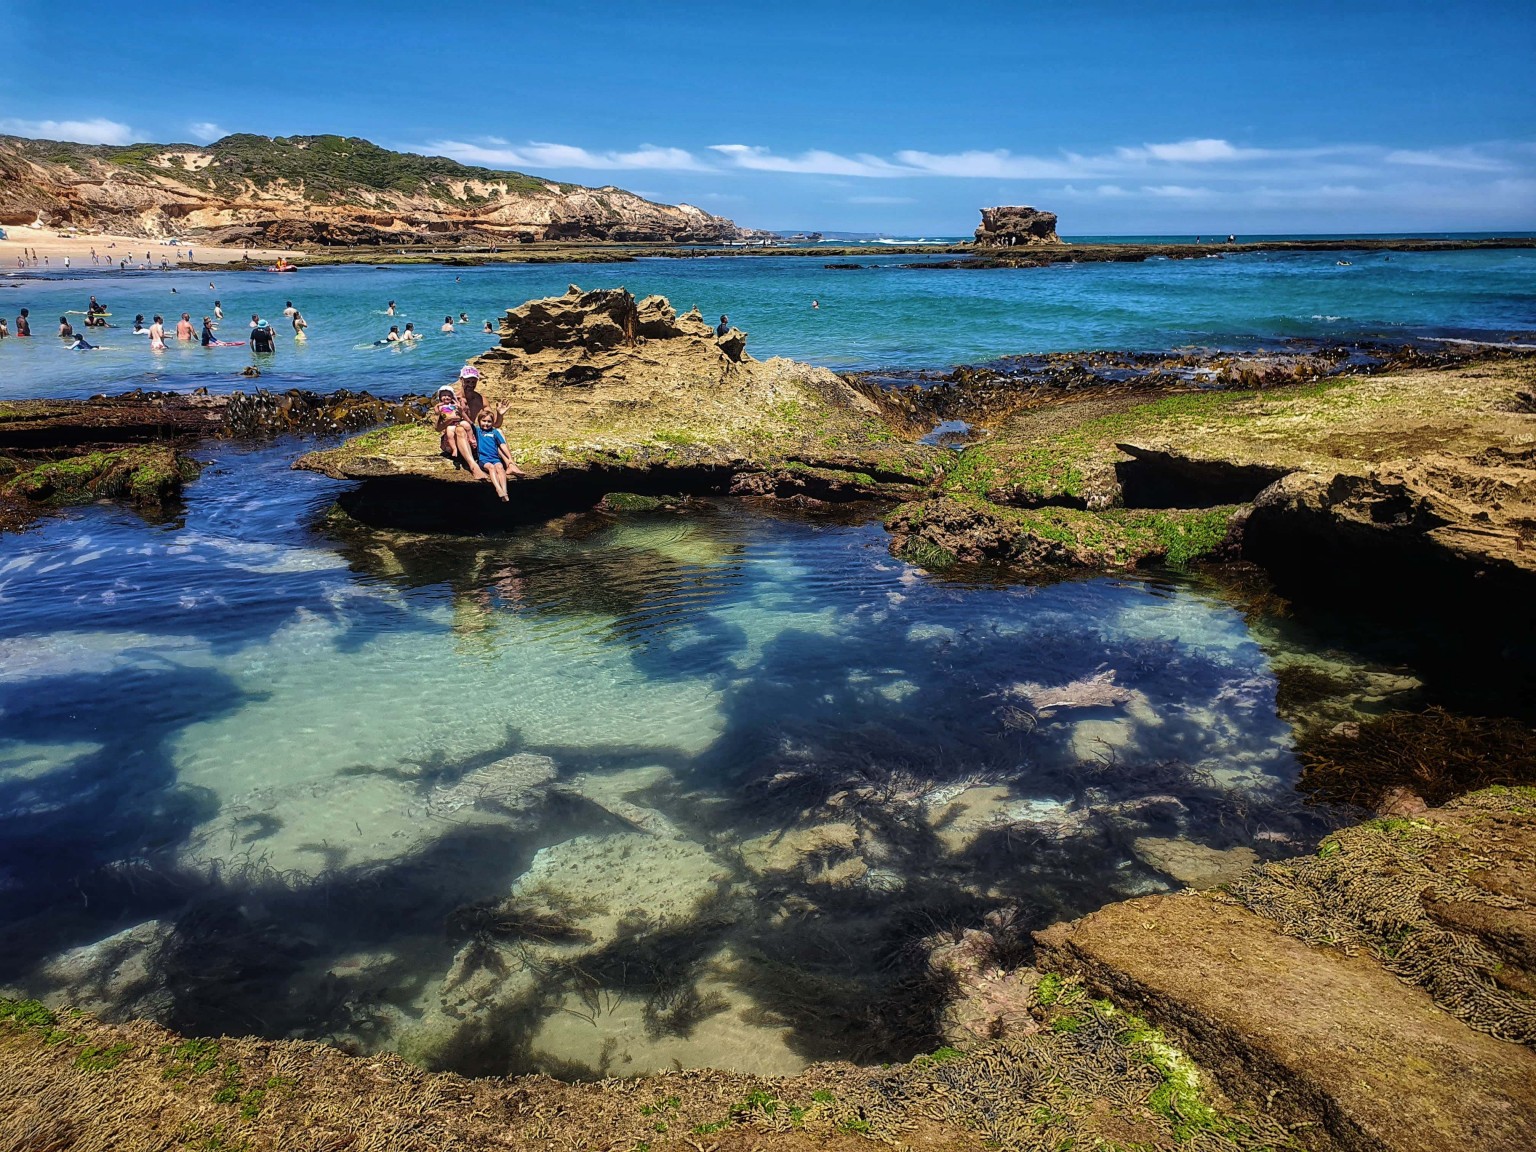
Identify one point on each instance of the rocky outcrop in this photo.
(947, 530)
(604, 393)
(1363, 991)
(321, 190)
(1009, 227)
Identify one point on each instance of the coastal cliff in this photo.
(278, 191)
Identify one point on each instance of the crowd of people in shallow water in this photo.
(469, 428)
(261, 335)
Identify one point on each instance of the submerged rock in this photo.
(511, 785)
(1191, 864)
(799, 849)
(118, 978)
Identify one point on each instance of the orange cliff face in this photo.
(320, 190)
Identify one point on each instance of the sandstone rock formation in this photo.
(1378, 991)
(608, 394)
(320, 190)
(1009, 227)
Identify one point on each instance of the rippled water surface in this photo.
(616, 795)
(599, 796)
(880, 315)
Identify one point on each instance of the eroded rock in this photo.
(1008, 227)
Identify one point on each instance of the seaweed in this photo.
(1435, 754)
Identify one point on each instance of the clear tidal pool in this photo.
(602, 796)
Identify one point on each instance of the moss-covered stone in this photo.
(149, 476)
(939, 532)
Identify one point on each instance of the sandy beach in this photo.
(112, 249)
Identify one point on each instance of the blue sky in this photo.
(888, 116)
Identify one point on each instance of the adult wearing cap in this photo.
(470, 404)
(262, 339)
(471, 399)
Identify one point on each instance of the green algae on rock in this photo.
(148, 476)
(948, 530)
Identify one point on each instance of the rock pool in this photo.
(615, 794)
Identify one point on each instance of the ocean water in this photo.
(880, 315)
(618, 795)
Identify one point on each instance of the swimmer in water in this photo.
(390, 311)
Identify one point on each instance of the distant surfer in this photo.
(208, 337)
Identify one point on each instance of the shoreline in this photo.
(119, 246)
(966, 255)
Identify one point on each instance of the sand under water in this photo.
(608, 796)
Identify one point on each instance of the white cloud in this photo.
(97, 131)
(1463, 159)
(1177, 192)
(998, 164)
(813, 163)
(1186, 152)
(536, 155)
(205, 131)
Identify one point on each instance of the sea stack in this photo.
(1006, 227)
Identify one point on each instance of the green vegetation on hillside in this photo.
(328, 167)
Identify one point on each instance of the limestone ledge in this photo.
(600, 381)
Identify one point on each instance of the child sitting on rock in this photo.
(446, 406)
(492, 453)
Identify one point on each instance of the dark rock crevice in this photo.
(1159, 478)
(416, 503)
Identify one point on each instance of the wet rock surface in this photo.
(136, 447)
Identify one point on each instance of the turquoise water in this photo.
(612, 795)
(316, 781)
(882, 315)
